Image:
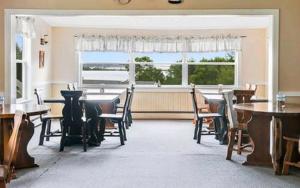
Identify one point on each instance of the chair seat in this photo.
(207, 115)
(51, 116)
(3, 172)
(111, 116)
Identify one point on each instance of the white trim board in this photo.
(273, 33)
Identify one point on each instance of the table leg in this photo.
(1, 141)
(259, 133)
(23, 159)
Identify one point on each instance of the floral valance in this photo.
(25, 26)
(157, 44)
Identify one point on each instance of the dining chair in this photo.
(74, 122)
(72, 86)
(243, 96)
(234, 125)
(291, 141)
(10, 153)
(199, 117)
(46, 120)
(128, 122)
(120, 119)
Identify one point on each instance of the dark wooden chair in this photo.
(74, 123)
(72, 86)
(199, 117)
(234, 126)
(7, 169)
(128, 122)
(120, 119)
(243, 96)
(46, 121)
(290, 147)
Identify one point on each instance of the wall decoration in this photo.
(41, 59)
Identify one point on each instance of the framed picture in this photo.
(41, 59)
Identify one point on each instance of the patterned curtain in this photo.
(157, 43)
(25, 26)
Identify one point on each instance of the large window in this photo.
(20, 67)
(105, 68)
(159, 68)
(208, 69)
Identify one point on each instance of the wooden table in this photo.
(283, 122)
(107, 98)
(24, 160)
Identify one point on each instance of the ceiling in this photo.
(163, 22)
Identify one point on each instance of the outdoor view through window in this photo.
(210, 68)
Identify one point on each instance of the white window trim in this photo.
(26, 68)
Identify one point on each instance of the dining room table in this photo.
(7, 112)
(94, 105)
(216, 101)
(268, 124)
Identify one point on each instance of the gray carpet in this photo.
(157, 154)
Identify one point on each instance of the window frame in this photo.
(184, 63)
(25, 74)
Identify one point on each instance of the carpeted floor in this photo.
(157, 154)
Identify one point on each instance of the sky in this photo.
(120, 57)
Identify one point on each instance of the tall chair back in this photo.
(131, 97)
(126, 104)
(194, 101)
(72, 111)
(232, 115)
(37, 93)
(10, 152)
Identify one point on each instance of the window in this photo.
(211, 68)
(163, 68)
(208, 69)
(20, 67)
(104, 68)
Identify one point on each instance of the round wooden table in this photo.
(24, 160)
(266, 128)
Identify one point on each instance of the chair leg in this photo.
(84, 134)
(124, 131)
(196, 130)
(231, 135)
(239, 143)
(42, 135)
(130, 118)
(121, 132)
(199, 130)
(287, 157)
(2, 184)
(63, 137)
(48, 129)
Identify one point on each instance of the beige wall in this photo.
(289, 24)
(253, 55)
(41, 77)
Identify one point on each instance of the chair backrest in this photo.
(251, 87)
(243, 96)
(70, 87)
(231, 114)
(131, 97)
(126, 104)
(37, 93)
(72, 111)
(11, 150)
(194, 101)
